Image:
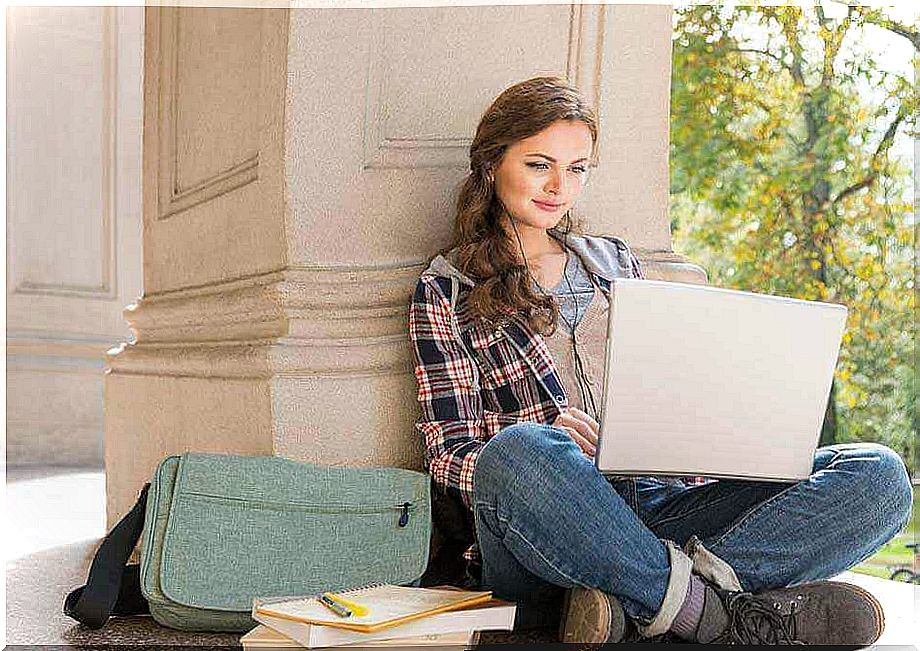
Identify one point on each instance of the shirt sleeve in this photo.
(451, 423)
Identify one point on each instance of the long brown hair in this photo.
(481, 247)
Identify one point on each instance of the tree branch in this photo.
(876, 17)
(883, 146)
(789, 26)
(833, 39)
(766, 53)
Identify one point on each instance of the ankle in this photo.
(688, 617)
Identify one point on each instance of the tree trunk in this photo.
(829, 428)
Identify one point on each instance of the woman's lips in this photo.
(548, 207)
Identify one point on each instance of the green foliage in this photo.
(783, 181)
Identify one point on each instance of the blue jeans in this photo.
(547, 520)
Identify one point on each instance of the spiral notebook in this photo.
(387, 606)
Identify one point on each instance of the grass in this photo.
(895, 552)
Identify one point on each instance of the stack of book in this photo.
(379, 616)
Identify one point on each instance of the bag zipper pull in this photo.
(404, 516)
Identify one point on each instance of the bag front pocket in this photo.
(222, 551)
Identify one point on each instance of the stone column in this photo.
(300, 166)
(73, 221)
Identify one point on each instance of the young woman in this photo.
(508, 329)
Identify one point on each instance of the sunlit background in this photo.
(792, 173)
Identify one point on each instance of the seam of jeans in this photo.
(747, 516)
(482, 506)
(541, 555)
(476, 466)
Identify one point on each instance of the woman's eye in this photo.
(578, 169)
(538, 166)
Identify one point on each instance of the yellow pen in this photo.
(334, 606)
(357, 609)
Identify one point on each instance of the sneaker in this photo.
(823, 612)
(591, 616)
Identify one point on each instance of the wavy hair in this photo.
(481, 247)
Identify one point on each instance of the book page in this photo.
(384, 603)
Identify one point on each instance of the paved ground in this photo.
(55, 518)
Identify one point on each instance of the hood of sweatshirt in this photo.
(607, 257)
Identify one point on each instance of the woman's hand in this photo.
(581, 428)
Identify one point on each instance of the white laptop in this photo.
(717, 382)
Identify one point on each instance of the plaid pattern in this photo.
(474, 381)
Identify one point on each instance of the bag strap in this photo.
(113, 587)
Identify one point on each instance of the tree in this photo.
(783, 180)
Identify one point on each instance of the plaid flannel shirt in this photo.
(473, 380)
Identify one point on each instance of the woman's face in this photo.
(540, 177)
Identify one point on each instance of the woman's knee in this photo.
(897, 483)
(519, 452)
(521, 442)
(886, 479)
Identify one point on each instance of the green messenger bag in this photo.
(218, 530)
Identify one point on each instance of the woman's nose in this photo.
(556, 182)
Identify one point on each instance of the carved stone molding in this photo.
(175, 193)
(269, 359)
(383, 150)
(297, 302)
(58, 348)
(302, 321)
(107, 287)
(586, 48)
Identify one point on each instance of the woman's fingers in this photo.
(586, 417)
(582, 442)
(569, 419)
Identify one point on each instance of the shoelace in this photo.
(755, 622)
(665, 638)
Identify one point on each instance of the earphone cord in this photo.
(584, 386)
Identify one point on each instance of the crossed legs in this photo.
(547, 521)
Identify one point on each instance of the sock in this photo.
(688, 617)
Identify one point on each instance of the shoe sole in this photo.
(585, 623)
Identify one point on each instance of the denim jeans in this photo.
(547, 520)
